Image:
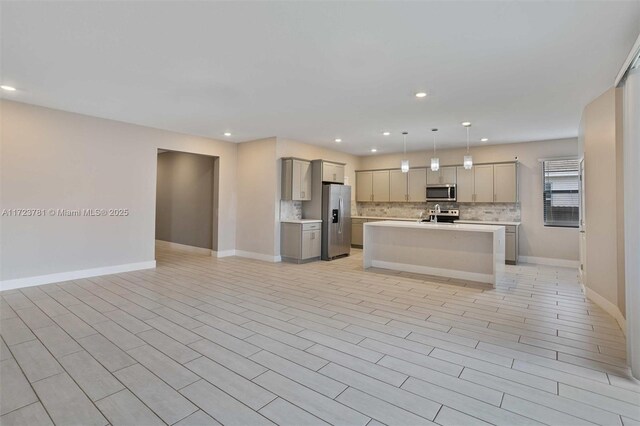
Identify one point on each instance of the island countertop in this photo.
(489, 222)
(439, 226)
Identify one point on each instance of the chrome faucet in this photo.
(420, 218)
(437, 211)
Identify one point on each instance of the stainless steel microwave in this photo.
(443, 192)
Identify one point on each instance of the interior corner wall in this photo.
(51, 159)
(184, 199)
(536, 240)
(631, 144)
(257, 195)
(603, 198)
(620, 232)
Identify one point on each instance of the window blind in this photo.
(561, 193)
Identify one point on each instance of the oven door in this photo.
(441, 193)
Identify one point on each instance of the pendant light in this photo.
(435, 161)
(468, 160)
(404, 164)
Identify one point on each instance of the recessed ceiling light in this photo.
(386, 133)
(484, 139)
(338, 140)
(227, 134)
(8, 88)
(466, 123)
(374, 150)
(421, 94)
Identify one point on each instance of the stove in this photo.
(445, 216)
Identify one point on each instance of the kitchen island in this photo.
(452, 250)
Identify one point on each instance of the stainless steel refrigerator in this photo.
(336, 221)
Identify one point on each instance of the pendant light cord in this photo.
(404, 137)
(468, 139)
(434, 141)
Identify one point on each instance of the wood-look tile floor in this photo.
(234, 341)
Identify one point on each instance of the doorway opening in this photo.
(187, 201)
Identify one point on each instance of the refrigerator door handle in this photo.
(340, 214)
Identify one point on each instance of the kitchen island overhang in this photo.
(460, 251)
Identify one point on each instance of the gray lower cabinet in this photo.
(511, 240)
(511, 244)
(300, 242)
(356, 231)
(357, 228)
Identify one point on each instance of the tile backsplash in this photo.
(290, 210)
(507, 212)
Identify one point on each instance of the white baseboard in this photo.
(74, 275)
(428, 270)
(183, 247)
(550, 261)
(258, 256)
(608, 307)
(223, 253)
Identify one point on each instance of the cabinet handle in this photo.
(334, 176)
(313, 235)
(302, 194)
(495, 197)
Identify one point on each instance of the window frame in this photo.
(560, 224)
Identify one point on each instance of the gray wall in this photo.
(184, 199)
(601, 142)
(56, 159)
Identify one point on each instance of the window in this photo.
(561, 192)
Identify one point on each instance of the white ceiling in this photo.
(316, 71)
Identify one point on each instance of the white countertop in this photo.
(301, 221)
(439, 226)
(489, 222)
(385, 218)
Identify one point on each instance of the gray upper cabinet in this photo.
(417, 184)
(445, 175)
(483, 183)
(488, 183)
(505, 183)
(296, 179)
(381, 185)
(465, 185)
(364, 186)
(476, 184)
(406, 187)
(332, 172)
(372, 186)
(433, 178)
(449, 174)
(398, 186)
